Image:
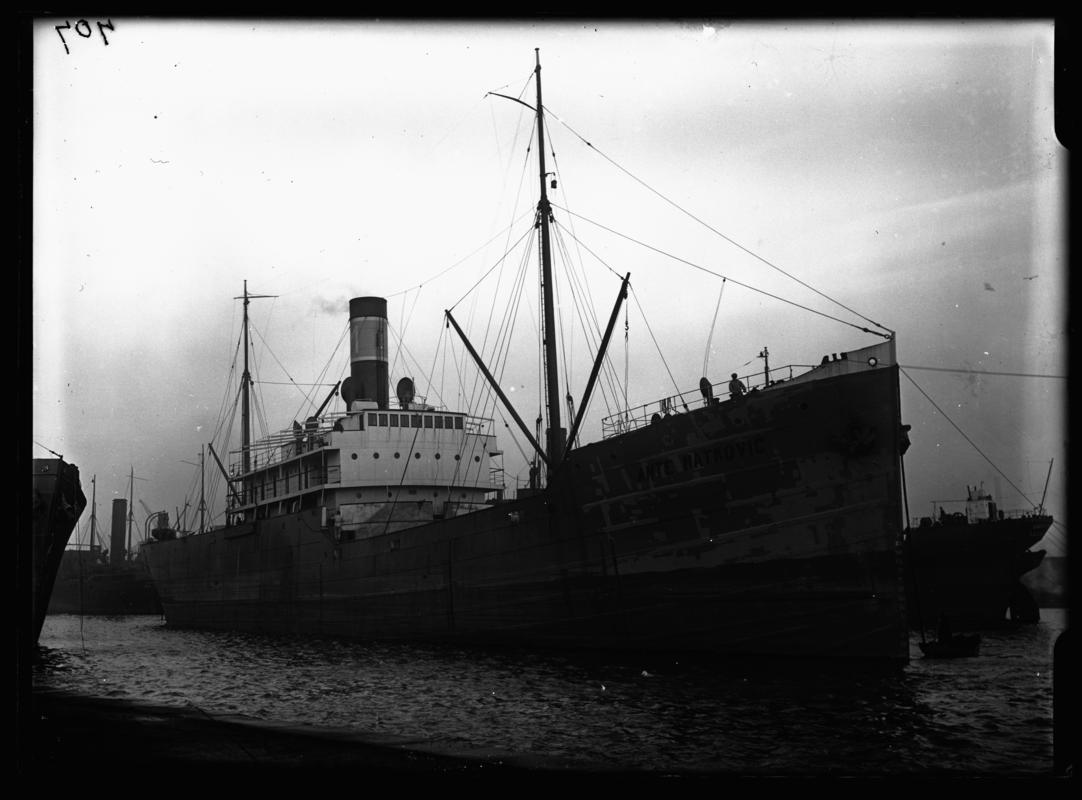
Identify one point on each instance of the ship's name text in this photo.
(660, 468)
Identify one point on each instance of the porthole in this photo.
(375, 455)
(458, 457)
(477, 459)
(353, 456)
(437, 456)
(416, 455)
(398, 455)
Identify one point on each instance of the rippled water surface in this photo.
(989, 715)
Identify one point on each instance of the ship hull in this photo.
(769, 525)
(971, 573)
(87, 587)
(58, 503)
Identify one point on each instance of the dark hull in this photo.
(971, 573)
(58, 503)
(86, 587)
(770, 525)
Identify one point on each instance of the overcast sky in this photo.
(908, 171)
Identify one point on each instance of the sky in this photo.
(902, 172)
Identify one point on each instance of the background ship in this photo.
(766, 523)
(58, 503)
(967, 565)
(97, 580)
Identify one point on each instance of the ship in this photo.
(93, 579)
(89, 583)
(764, 520)
(966, 566)
(58, 503)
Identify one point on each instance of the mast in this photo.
(93, 511)
(131, 512)
(1044, 494)
(246, 380)
(202, 482)
(245, 434)
(555, 434)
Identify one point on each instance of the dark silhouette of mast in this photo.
(202, 495)
(555, 432)
(246, 380)
(94, 512)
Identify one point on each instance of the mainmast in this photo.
(555, 442)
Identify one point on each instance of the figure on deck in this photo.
(736, 387)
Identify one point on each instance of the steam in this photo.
(334, 307)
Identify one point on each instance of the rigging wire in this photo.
(416, 364)
(503, 332)
(608, 370)
(518, 192)
(508, 248)
(498, 233)
(710, 336)
(495, 294)
(568, 353)
(610, 374)
(593, 336)
(432, 369)
(732, 280)
(716, 231)
(964, 436)
(405, 322)
(502, 345)
(654, 338)
(484, 393)
(326, 368)
(986, 372)
(489, 270)
(464, 258)
(304, 394)
(255, 403)
(43, 447)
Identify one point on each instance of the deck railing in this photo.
(641, 416)
(285, 444)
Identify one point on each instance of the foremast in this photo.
(245, 384)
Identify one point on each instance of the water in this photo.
(989, 715)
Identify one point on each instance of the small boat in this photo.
(960, 645)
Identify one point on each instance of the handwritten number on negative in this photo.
(81, 26)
